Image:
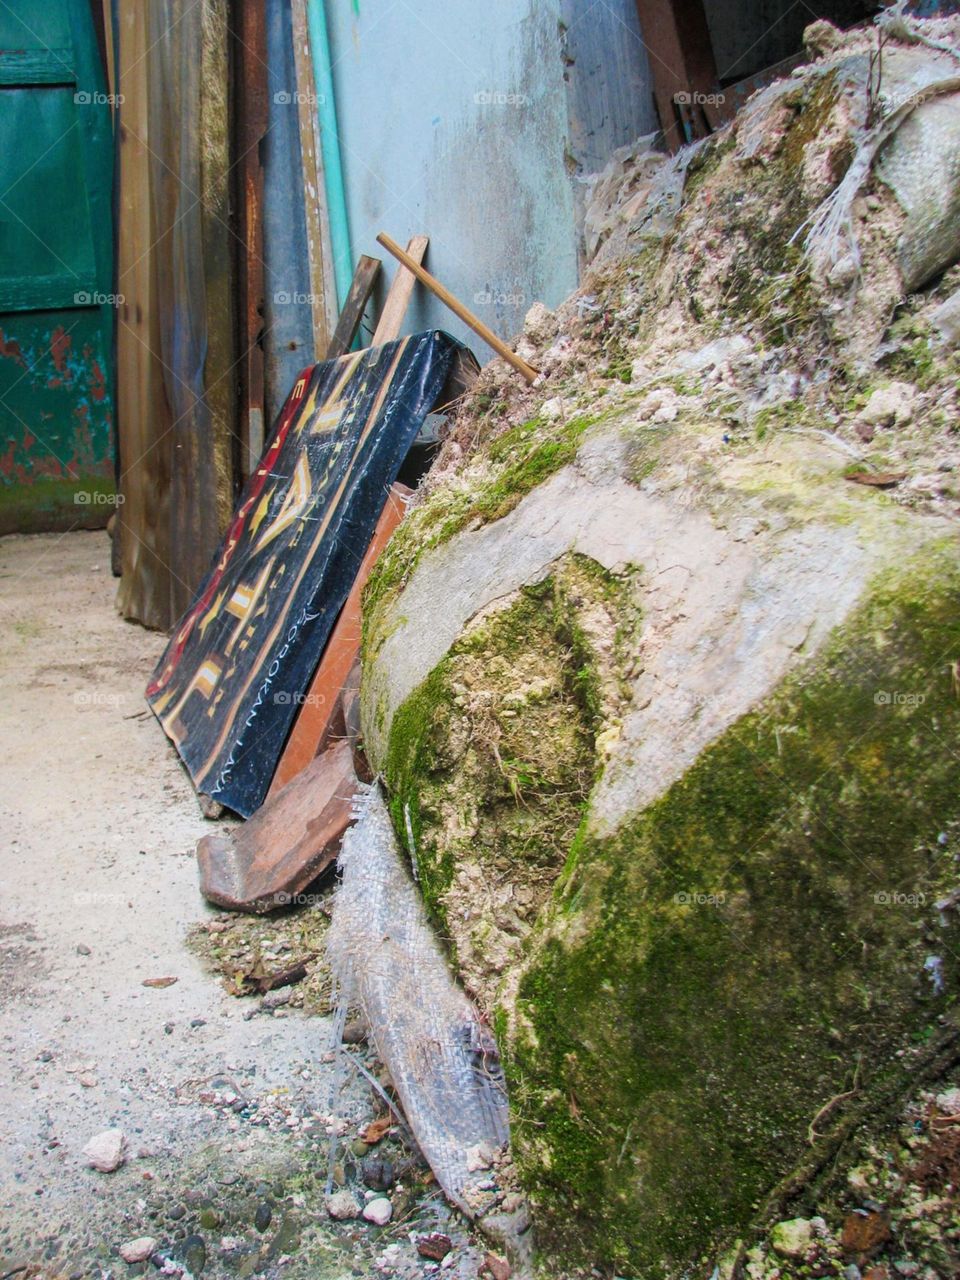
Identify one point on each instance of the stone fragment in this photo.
(540, 324)
(496, 1268)
(949, 1102)
(822, 37)
(377, 1173)
(341, 1206)
(379, 1211)
(479, 1157)
(864, 1234)
(792, 1238)
(435, 1246)
(891, 406)
(192, 1253)
(106, 1151)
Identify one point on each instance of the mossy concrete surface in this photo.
(493, 757)
(758, 941)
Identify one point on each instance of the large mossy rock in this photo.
(667, 708)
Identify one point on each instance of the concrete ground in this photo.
(98, 890)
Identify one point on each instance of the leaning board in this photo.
(232, 677)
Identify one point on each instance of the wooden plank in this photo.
(364, 278)
(266, 861)
(142, 410)
(250, 122)
(314, 725)
(323, 302)
(401, 291)
(458, 309)
(677, 39)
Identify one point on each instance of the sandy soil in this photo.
(98, 890)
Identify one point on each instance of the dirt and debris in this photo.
(216, 1128)
(888, 1208)
(281, 954)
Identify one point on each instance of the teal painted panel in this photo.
(54, 392)
(57, 309)
(36, 66)
(28, 24)
(56, 418)
(47, 255)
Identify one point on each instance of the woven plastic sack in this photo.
(921, 164)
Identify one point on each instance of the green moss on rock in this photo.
(492, 757)
(714, 973)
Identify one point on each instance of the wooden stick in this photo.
(252, 117)
(458, 308)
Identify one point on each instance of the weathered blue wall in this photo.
(463, 121)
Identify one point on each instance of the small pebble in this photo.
(435, 1246)
(139, 1250)
(107, 1151)
(355, 1031)
(342, 1206)
(192, 1251)
(377, 1173)
(379, 1211)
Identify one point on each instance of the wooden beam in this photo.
(364, 278)
(322, 283)
(262, 863)
(143, 413)
(219, 258)
(401, 291)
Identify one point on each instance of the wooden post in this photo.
(322, 282)
(401, 291)
(364, 278)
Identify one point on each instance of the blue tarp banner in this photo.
(228, 687)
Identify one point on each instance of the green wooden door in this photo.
(56, 245)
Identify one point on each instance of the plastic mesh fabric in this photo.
(441, 1058)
